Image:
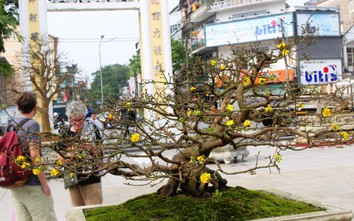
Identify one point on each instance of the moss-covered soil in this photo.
(235, 203)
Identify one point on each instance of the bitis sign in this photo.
(315, 72)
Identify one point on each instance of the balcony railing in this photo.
(228, 3)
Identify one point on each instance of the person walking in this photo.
(79, 151)
(33, 201)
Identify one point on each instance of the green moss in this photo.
(233, 204)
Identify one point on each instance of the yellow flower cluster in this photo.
(212, 62)
(205, 178)
(247, 124)
(344, 135)
(21, 161)
(326, 112)
(135, 137)
(268, 108)
(283, 50)
(36, 171)
(54, 172)
(246, 81)
(278, 157)
(335, 127)
(230, 107)
(200, 159)
(262, 81)
(229, 123)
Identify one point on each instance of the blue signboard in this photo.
(256, 29)
(320, 23)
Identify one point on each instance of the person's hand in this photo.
(46, 189)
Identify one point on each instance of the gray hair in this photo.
(76, 109)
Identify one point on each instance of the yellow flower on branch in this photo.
(128, 104)
(222, 67)
(262, 81)
(59, 162)
(72, 175)
(268, 108)
(212, 62)
(326, 112)
(344, 135)
(36, 171)
(299, 105)
(25, 165)
(37, 160)
(247, 123)
(281, 45)
(229, 123)
(189, 113)
(285, 52)
(20, 160)
(205, 178)
(54, 172)
(135, 137)
(335, 127)
(278, 157)
(192, 88)
(246, 81)
(200, 159)
(229, 107)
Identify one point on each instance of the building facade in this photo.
(212, 26)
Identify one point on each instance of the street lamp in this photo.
(99, 53)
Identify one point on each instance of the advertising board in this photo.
(324, 71)
(321, 24)
(249, 30)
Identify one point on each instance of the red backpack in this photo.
(11, 174)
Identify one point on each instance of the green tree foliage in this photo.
(114, 78)
(180, 55)
(8, 24)
(135, 65)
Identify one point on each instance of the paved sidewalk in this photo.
(324, 175)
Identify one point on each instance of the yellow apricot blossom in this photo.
(59, 162)
(268, 108)
(135, 137)
(25, 165)
(192, 88)
(335, 127)
(222, 67)
(54, 172)
(344, 135)
(20, 160)
(229, 107)
(36, 171)
(200, 159)
(189, 113)
(247, 123)
(262, 81)
(278, 157)
(37, 160)
(326, 112)
(229, 123)
(281, 45)
(246, 81)
(212, 62)
(299, 105)
(205, 178)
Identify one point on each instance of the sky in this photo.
(80, 33)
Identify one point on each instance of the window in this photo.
(350, 53)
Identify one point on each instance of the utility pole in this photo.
(99, 53)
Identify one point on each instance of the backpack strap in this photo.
(18, 126)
